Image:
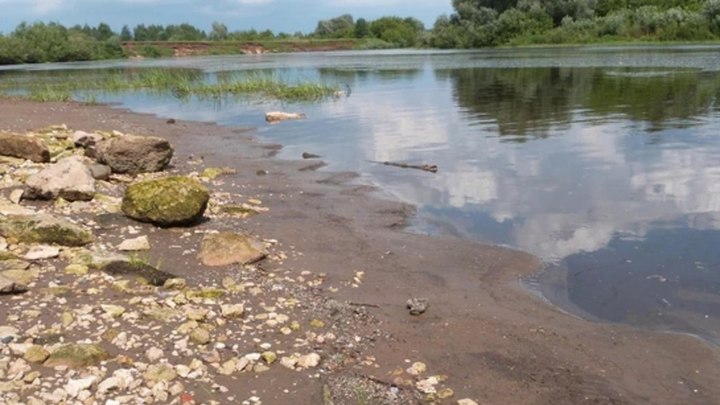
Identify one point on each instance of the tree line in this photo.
(473, 24)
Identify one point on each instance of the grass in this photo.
(181, 83)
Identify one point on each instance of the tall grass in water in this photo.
(178, 82)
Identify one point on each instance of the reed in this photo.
(181, 83)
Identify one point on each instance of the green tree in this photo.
(338, 27)
(219, 31)
(362, 28)
(125, 34)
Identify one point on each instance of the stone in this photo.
(76, 269)
(8, 334)
(24, 147)
(232, 310)
(277, 116)
(9, 286)
(10, 208)
(309, 360)
(113, 310)
(175, 284)
(77, 356)
(211, 173)
(25, 277)
(466, 401)
(68, 179)
(136, 268)
(73, 387)
(200, 336)
(84, 139)
(160, 372)
(166, 202)
(417, 306)
(36, 354)
(225, 248)
(139, 243)
(416, 369)
(16, 195)
(42, 252)
(134, 154)
(99, 171)
(44, 228)
(154, 354)
(269, 357)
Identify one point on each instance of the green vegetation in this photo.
(478, 23)
(179, 82)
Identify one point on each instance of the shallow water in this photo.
(604, 162)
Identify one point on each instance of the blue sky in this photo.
(278, 15)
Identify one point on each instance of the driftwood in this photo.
(423, 167)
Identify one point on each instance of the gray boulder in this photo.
(134, 154)
(69, 179)
(24, 147)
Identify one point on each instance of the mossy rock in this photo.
(77, 356)
(44, 228)
(166, 202)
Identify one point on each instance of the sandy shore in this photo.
(496, 343)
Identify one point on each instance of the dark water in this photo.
(604, 162)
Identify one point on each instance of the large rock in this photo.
(69, 179)
(24, 147)
(44, 228)
(77, 355)
(166, 202)
(227, 248)
(134, 154)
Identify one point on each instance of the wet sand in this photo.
(496, 342)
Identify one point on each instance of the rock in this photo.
(76, 269)
(417, 306)
(154, 354)
(113, 310)
(200, 336)
(227, 248)
(307, 155)
(42, 252)
(269, 357)
(466, 401)
(8, 334)
(166, 202)
(160, 372)
(212, 173)
(232, 310)
(68, 179)
(132, 268)
(416, 369)
(139, 243)
(175, 284)
(73, 387)
(9, 286)
(84, 139)
(9, 208)
(277, 116)
(44, 228)
(24, 147)
(134, 154)
(309, 360)
(36, 354)
(16, 195)
(99, 172)
(77, 356)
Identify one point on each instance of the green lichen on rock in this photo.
(44, 228)
(77, 356)
(166, 202)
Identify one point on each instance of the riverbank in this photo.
(495, 342)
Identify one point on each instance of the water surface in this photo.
(604, 162)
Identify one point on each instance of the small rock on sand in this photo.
(417, 306)
(277, 116)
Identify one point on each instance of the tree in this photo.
(338, 27)
(397, 31)
(362, 28)
(125, 34)
(103, 32)
(219, 31)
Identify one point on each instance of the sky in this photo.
(278, 15)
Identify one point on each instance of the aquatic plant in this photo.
(181, 83)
